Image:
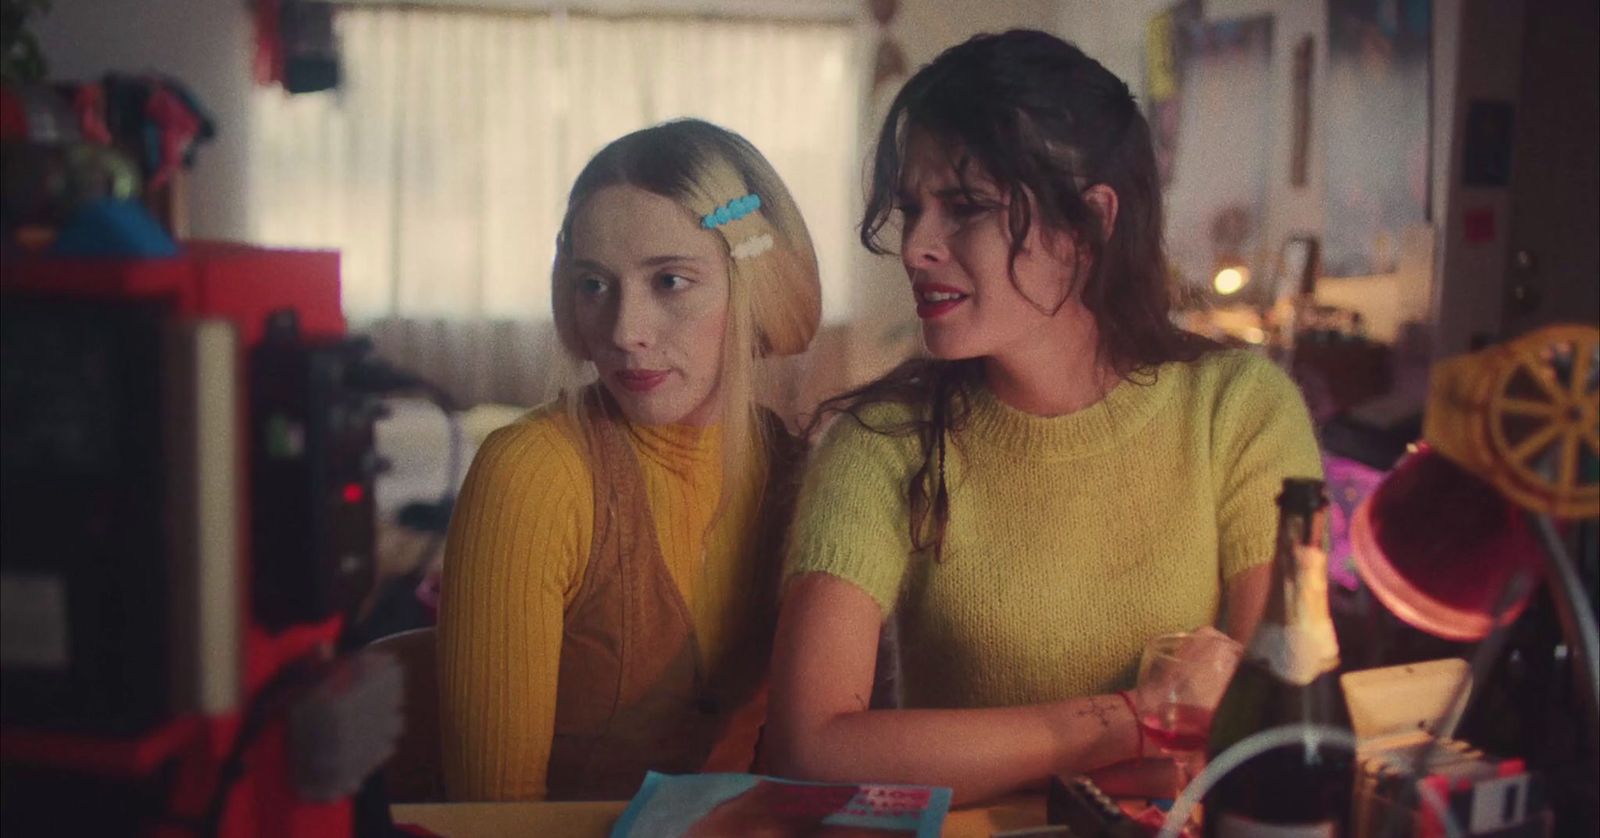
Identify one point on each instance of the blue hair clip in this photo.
(731, 211)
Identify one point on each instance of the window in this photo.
(441, 166)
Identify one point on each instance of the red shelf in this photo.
(213, 279)
(115, 757)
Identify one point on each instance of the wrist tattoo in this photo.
(1103, 711)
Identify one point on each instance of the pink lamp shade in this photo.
(1438, 547)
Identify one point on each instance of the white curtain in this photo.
(441, 166)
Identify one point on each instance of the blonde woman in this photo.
(609, 589)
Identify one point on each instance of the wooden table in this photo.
(594, 820)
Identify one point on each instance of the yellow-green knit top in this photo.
(1071, 540)
(518, 545)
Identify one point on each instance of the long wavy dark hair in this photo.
(1044, 122)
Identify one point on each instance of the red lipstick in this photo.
(948, 298)
(640, 381)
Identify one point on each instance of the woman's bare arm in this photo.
(1247, 598)
(820, 727)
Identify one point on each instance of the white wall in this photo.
(1467, 288)
(1114, 34)
(1441, 280)
(205, 44)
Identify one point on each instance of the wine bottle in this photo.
(1288, 675)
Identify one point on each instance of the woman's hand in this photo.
(1146, 778)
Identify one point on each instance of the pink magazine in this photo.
(714, 805)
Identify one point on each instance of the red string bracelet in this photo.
(1127, 698)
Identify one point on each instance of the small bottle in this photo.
(1288, 675)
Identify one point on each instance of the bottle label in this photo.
(1302, 646)
(1297, 654)
(1238, 826)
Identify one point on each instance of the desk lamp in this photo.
(1452, 537)
(1511, 444)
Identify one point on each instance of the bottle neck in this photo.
(1295, 639)
(1299, 593)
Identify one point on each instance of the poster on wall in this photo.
(1207, 85)
(1375, 131)
(1166, 38)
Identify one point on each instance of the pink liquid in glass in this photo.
(1178, 728)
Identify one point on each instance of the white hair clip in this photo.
(753, 246)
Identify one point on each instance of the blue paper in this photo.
(704, 805)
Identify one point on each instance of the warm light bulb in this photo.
(1230, 280)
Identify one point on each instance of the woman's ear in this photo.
(1103, 200)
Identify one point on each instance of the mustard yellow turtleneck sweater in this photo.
(518, 545)
(1071, 540)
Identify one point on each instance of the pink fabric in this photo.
(269, 43)
(90, 104)
(428, 590)
(178, 125)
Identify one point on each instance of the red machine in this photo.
(187, 527)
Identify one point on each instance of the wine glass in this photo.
(1181, 679)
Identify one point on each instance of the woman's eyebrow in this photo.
(670, 259)
(650, 262)
(971, 192)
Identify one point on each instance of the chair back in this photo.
(413, 774)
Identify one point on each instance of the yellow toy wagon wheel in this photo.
(1544, 421)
